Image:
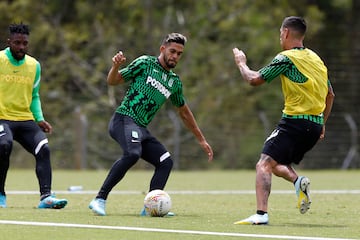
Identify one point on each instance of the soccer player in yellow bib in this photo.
(308, 97)
(21, 116)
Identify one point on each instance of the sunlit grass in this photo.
(331, 215)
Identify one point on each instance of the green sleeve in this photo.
(135, 68)
(35, 106)
(277, 66)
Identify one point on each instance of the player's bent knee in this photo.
(263, 166)
(132, 156)
(44, 151)
(5, 147)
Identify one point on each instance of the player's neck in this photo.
(162, 63)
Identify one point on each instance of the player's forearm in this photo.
(190, 122)
(196, 131)
(35, 106)
(114, 77)
(250, 76)
(329, 103)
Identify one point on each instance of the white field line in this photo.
(215, 192)
(124, 228)
(192, 192)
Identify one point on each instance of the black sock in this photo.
(260, 212)
(42, 197)
(296, 180)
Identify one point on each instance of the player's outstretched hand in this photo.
(207, 148)
(322, 135)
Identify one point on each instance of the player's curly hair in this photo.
(19, 28)
(174, 37)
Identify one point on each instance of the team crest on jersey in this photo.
(171, 82)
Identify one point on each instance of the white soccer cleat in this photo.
(255, 219)
(302, 187)
(97, 205)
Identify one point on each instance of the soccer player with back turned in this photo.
(308, 99)
(152, 82)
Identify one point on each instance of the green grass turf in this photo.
(331, 215)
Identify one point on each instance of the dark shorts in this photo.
(137, 140)
(291, 139)
(27, 133)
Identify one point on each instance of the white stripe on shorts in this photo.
(39, 146)
(164, 156)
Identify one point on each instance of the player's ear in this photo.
(287, 32)
(162, 48)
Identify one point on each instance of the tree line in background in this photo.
(75, 40)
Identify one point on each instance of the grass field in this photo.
(206, 203)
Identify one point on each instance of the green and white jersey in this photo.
(150, 86)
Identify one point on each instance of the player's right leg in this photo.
(128, 134)
(97, 205)
(302, 185)
(6, 143)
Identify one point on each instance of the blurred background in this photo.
(74, 40)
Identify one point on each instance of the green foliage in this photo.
(75, 41)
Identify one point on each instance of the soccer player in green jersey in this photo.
(308, 97)
(152, 82)
(21, 116)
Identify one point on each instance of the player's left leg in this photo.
(44, 176)
(34, 140)
(156, 154)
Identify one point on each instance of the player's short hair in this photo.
(174, 37)
(19, 28)
(294, 23)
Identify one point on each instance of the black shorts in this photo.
(136, 140)
(291, 139)
(27, 133)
